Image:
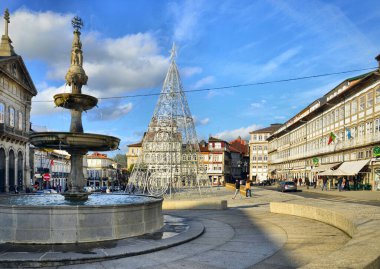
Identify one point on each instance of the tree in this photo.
(121, 159)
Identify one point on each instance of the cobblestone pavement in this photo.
(244, 236)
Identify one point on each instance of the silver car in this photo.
(287, 186)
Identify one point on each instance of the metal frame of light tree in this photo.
(170, 158)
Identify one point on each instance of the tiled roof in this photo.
(136, 145)
(214, 139)
(272, 128)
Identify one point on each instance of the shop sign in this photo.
(376, 152)
(316, 161)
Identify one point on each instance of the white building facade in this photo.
(338, 132)
(16, 92)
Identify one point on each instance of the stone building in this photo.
(336, 135)
(258, 146)
(16, 92)
(134, 151)
(216, 157)
(101, 170)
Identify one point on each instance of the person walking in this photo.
(248, 188)
(324, 186)
(307, 180)
(340, 182)
(237, 189)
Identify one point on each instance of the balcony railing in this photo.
(12, 131)
(333, 147)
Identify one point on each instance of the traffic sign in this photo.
(46, 177)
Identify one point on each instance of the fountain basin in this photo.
(75, 101)
(74, 141)
(50, 219)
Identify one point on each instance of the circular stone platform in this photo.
(50, 219)
(176, 231)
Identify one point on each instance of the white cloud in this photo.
(187, 15)
(109, 112)
(279, 117)
(198, 121)
(258, 104)
(190, 71)
(114, 65)
(243, 132)
(204, 81)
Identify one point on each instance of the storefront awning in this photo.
(350, 168)
(324, 167)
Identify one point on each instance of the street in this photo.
(357, 197)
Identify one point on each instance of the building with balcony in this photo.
(56, 163)
(258, 148)
(239, 158)
(16, 92)
(336, 135)
(101, 170)
(216, 157)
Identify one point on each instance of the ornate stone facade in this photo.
(16, 92)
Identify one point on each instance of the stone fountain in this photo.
(76, 142)
(75, 217)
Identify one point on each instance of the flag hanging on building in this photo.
(51, 162)
(349, 136)
(332, 138)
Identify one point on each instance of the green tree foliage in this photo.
(121, 159)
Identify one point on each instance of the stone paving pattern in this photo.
(247, 235)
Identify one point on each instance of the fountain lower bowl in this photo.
(50, 219)
(74, 141)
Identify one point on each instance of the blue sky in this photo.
(126, 51)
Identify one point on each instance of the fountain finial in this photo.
(76, 76)
(77, 23)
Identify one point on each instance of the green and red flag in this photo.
(331, 138)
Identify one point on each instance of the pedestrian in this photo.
(340, 182)
(248, 188)
(324, 186)
(237, 189)
(343, 187)
(300, 181)
(307, 182)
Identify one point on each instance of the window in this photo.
(369, 127)
(2, 113)
(254, 137)
(378, 95)
(260, 137)
(259, 147)
(265, 158)
(361, 130)
(253, 148)
(265, 147)
(377, 125)
(354, 107)
(369, 99)
(11, 117)
(362, 103)
(347, 110)
(20, 120)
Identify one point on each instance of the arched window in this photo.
(11, 117)
(2, 116)
(20, 120)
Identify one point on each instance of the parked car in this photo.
(287, 186)
(265, 183)
(46, 191)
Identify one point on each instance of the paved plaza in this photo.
(246, 235)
